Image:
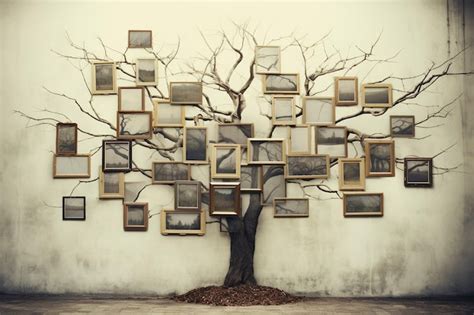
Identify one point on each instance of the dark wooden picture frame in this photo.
(193, 201)
(156, 180)
(66, 146)
(216, 208)
(193, 151)
(127, 226)
(371, 158)
(414, 174)
(123, 168)
(83, 208)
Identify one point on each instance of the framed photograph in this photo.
(195, 145)
(187, 195)
(274, 184)
(134, 125)
(363, 204)
(377, 95)
(183, 222)
(111, 185)
(379, 158)
(131, 99)
(300, 140)
(290, 207)
(283, 83)
(418, 172)
(66, 138)
(235, 133)
(319, 111)
(167, 115)
(167, 172)
(402, 126)
(267, 59)
(74, 208)
(346, 91)
(307, 166)
(147, 72)
(104, 78)
(224, 199)
(225, 161)
(250, 178)
(351, 174)
(186, 93)
(266, 151)
(135, 216)
(331, 141)
(283, 110)
(72, 166)
(140, 39)
(116, 156)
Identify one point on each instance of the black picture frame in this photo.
(410, 182)
(64, 208)
(105, 169)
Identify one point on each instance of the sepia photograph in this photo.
(376, 95)
(111, 185)
(131, 99)
(74, 208)
(380, 158)
(140, 39)
(183, 222)
(116, 156)
(195, 145)
(284, 83)
(186, 93)
(135, 216)
(363, 204)
(307, 166)
(346, 91)
(224, 199)
(235, 133)
(283, 110)
(299, 140)
(319, 111)
(290, 207)
(418, 172)
(266, 151)
(167, 115)
(147, 72)
(274, 184)
(134, 125)
(225, 161)
(351, 174)
(66, 138)
(167, 172)
(331, 141)
(250, 178)
(104, 78)
(72, 166)
(187, 195)
(402, 126)
(267, 59)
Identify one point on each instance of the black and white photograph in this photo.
(290, 207)
(380, 158)
(274, 184)
(111, 185)
(250, 178)
(74, 208)
(167, 115)
(299, 140)
(267, 59)
(167, 172)
(266, 151)
(187, 195)
(377, 95)
(402, 126)
(331, 141)
(284, 83)
(183, 222)
(140, 39)
(186, 93)
(134, 125)
(66, 138)
(147, 72)
(72, 166)
(225, 161)
(131, 98)
(235, 133)
(195, 145)
(346, 91)
(363, 204)
(104, 78)
(224, 199)
(319, 111)
(135, 216)
(307, 166)
(351, 174)
(283, 110)
(418, 172)
(116, 156)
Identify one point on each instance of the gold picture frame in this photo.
(267, 78)
(280, 212)
(374, 100)
(167, 228)
(376, 166)
(350, 210)
(215, 173)
(59, 161)
(339, 89)
(306, 116)
(165, 104)
(250, 151)
(347, 175)
(103, 182)
(307, 165)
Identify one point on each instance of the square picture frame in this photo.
(418, 172)
(104, 78)
(331, 140)
(116, 156)
(291, 207)
(267, 59)
(183, 222)
(346, 91)
(224, 204)
(402, 126)
(74, 208)
(224, 163)
(380, 158)
(131, 99)
(66, 138)
(319, 111)
(362, 204)
(351, 174)
(187, 195)
(135, 216)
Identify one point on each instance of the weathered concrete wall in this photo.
(422, 245)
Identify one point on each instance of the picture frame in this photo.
(104, 78)
(291, 207)
(379, 158)
(146, 72)
(74, 208)
(187, 195)
(250, 178)
(134, 125)
(319, 111)
(281, 83)
(224, 199)
(111, 185)
(72, 166)
(299, 140)
(376, 95)
(140, 39)
(267, 59)
(362, 204)
(266, 151)
(195, 142)
(331, 140)
(131, 98)
(186, 93)
(418, 172)
(168, 172)
(116, 156)
(183, 222)
(274, 183)
(351, 174)
(66, 138)
(303, 166)
(402, 126)
(235, 133)
(135, 216)
(167, 115)
(225, 161)
(346, 91)
(283, 110)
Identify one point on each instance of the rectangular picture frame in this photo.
(104, 78)
(66, 138)
(370, 99)
(111, 181)
(235, 133)
(350, 210)
(296, 134)
(163, 110)
(282, 212)
(193, 88)
(194, 228)
(135, 42)
(125, 147)
(123, 100)
(79, 166)
(267, 59)
(140, 225)
(376, 158)
(315, 107)
(232, 206)
(145, 130)
(289, 83)
(234, 171)
(346, 91)
(402, 126)
(280, 158)
(277, 101)
(146, 73)
(319, 149)
(348, 176)
(418, 172)
(187, 195)
(194, 146)
(177, 171)
(78, 205)
(318, 163)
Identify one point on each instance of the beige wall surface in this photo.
(422, 245)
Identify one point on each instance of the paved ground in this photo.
(104, 304)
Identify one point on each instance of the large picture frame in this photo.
(224, 199)
(362, 204)
(195, 141)
(74, 208)
(266, 151)
(135, 216)
(116, 155)
(418, 172)
(225, 161)
(183, 222)
(346, 91)
(72, 166)
(380, 158)
(187, 195)
(302, 166)
(351, 174)
(66, 138)
(134, 125)
(168, 172)
(111, 185)
(291, 207)
(104, 78)
(281, 83)
(376, 95)
(319, 111)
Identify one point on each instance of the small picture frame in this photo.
(235, 133)
(266, 151)
(74, 208)
(267, 59)
(167, 115)
(104, 78)
(225, 161)
(376, 95)
(346, 91)
(319, 111)
(134, 125)
(224, 199)
(187, 195)
(250, 178)
(402, 126)
(186, 93)
(418, 172)
(331, 141)
(351, 174)
(66, 138)
(380, 158)
(146, 72)
(135, 216)
(183, 222)
(361, 204)
(283, 110)
(131, 99)
(290, 207)
(195, 145)
(168, 172)
(140, 39)
(116, 156)
(307, 166)
(111, 185)
(282, 83)
(72, 166)
(299, 140)
(274, 184)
